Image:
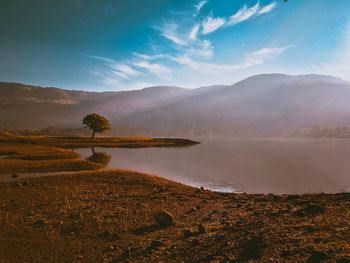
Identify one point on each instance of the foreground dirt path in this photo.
(108, 216)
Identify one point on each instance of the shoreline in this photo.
(112, 216)
(109, 216)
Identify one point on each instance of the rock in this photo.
(314, 209)
(343, 260)
(317, 256)
(41, 222)
(80, 257)
(310, 229)
(107, 235)
(188, 233)
(318, 240)
(18, 184)
(164, 219)
(201, 229)
(252, 248)
(195, 242)
(14, 176)
(285, 253)
(156, 244)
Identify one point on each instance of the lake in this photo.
(244, 165)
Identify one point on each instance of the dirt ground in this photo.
(113, 216)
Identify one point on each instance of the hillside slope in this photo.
(263, 104)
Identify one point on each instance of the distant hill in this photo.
(268, 104)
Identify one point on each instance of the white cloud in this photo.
(156, 69)
(169, 31)
(125, 71)
(104, 59)
(199, 6)
(338, 65)
(267, 9)
(246, 13)
(194, 31)
(210, 24)
(251, 59)
(260, 56)
(201, 49)
(149, 57)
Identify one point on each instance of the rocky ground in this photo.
(122, 216)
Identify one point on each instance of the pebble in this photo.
(164, 219)
(201, 229)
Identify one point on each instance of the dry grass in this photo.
(108, 216)
(28, 158)
(82, 142)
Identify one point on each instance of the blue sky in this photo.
(131, 44)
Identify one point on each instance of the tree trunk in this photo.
(93, 134)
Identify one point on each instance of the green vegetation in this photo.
(96, 123)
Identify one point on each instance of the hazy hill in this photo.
(263, 104)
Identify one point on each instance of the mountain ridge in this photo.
(261, 104)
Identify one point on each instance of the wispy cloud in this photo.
(190, 49)
(104, 59)
(149, 57)
(267, 9)
(339, 63)
(255, 58)
(126, 70)
(169, 31)
(199, 6)
(246, 13)
(201, 49)
(260, 56)
(210, 24)
(156, 69)
(194, 32)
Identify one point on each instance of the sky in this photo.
(100, 45)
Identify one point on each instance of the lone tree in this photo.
(96, 123)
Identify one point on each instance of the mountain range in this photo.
(268, 104)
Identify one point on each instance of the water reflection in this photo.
(102, 158)
(248, 165)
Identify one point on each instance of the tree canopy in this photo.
(96, 123)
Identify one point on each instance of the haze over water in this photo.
(246, 165)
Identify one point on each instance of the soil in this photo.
(111, 216)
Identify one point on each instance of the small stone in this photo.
(314, 209)
(285, 253)
(188, 233)
(318, 240)
(107, 235)
(201, 229)
(317, 256)
(18, 184)
(80, 257)
(41, 222)
(193, 209)
(310, 229)
(156, 244)
(14, 176)
(195, 242)
(164, 219)
(343, 260)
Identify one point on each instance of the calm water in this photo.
(247, 165)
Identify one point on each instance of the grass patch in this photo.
(29, 158)
(84, 142)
